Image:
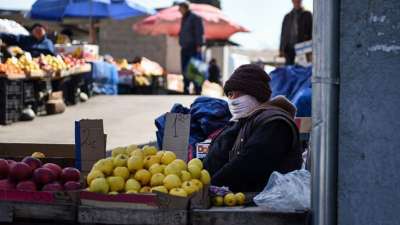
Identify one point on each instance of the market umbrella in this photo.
(57, 10)
(168, 21)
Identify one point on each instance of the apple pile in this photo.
(134, 170)
(32, 175)
(72, 61)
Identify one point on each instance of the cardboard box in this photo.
(175, 83)
(202, 149)
(304, 124)
(61, 154)
(79, 50)
(90, 143)
(134, 201)
(89, 147)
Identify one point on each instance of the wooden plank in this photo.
(6, 213)
(98, 215)
(245, 216)
(56, 212)
(25, 149)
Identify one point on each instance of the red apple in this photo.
(72, 186)
(43, 176)
(32, 162)
(56, 169)
(70, 174)
(4, 168)
(10, 162)
(7, 185)
(55, 186)
(20, 171)
(27, 185)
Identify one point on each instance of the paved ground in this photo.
(127, 120)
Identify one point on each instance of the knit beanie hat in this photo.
(251, 80)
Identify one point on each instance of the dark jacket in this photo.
(246, 152)
(29, 44)
(191, 34)
(214, 74)
(304, 31)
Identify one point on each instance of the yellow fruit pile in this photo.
(229, 199)
(24, 63)
(53, 63)
(134, 170)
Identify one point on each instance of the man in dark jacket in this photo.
(261, 138)
(191, 38)
(37, 43)
(296, 28)
(214, 73)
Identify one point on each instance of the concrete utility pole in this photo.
(356, 176)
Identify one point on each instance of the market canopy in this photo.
(168, 21)
(57, 10)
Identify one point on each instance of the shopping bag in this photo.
(286, 192)
(197, 71)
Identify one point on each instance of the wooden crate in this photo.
(44, 206)
(101, 215)
(245, 216)
(134, 201)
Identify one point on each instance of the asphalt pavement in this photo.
(127, 120)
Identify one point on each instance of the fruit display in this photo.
(52, 63)
(144, 170)
(122, 64)
(141, 80)
(32, 175)
(222, 196)
(19, 66)
(29, 65)
(10, 68)
(72, 62)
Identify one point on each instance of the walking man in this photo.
(296, 28)
(191, 38)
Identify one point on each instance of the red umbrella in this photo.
(168, 21)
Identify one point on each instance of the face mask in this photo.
(242, 105)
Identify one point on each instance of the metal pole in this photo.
(325, 111)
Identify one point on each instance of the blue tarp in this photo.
(207, 116)
(105, 78)
(294, 82)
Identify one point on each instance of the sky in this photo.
(262, 17)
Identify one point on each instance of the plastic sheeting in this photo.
(294, 82)
(207, 115)
(105, 78)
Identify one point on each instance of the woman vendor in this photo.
(261, 138)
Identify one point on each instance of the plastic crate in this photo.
(29, 92)
(10, 87)
(9, 116)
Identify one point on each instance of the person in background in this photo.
(65, 36)
(296, 28)
(191, 38)
(37, 43)
(214, 73)
(261, 138)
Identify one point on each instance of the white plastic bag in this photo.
(286, 192)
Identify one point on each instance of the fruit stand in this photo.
(133, 185)
(29, 82)
(143, 76)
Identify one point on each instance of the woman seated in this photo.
(261, 138)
